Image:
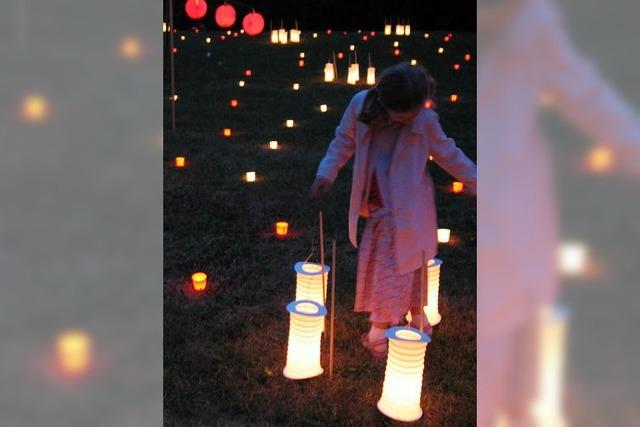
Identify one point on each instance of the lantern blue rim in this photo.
(298, 268)
(436, 261)
(292, 307)
(391, 334)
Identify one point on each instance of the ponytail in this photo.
(372, 109)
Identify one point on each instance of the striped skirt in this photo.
(379, 289)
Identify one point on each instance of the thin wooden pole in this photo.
(422, 294)
(335, 67)
(324, 285)
(333, 308)
(173, 76)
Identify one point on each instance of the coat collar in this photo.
(417, 126)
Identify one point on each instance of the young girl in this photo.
(392, 135)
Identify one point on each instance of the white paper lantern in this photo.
(402, 385)
(273, 145)
(354, 74)
(251, 176)
(282, 36)
(387, 30)
(323, 108)
(548, 407)
(572, 258)
(275, 36)
(371, 76)
(289, 123)
(305, 328)
(399, 30)
(444, 234)
(329, 74)
(433, 291)
(407, 30)
(294, 36)
(309, 281)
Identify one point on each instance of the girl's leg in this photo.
(375, 339)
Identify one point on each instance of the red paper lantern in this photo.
(253, 24)
(196, 9)
(225, 16)
(456, 67)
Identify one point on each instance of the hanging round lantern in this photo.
(253, 24)
(196, 9)
(225, 16)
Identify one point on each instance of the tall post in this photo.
(173, 77)
(333, 308)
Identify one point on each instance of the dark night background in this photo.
(457, 15)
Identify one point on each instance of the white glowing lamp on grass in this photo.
(274, 36)
(402, 385)
(444, 234)
(329, 74)
(354, 74)
(371, 76)
(399, 30)
(407, 30)
(387, 29)
(305, 329)
(282, 36)
(433, 291)
(311, 281)
(294, 36)
(548, 408)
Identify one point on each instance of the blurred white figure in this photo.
(524, 55)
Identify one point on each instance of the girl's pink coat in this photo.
(412, 189)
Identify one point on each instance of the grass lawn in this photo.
(224, 350)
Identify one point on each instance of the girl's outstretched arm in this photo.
(343, 145)
(449, 157)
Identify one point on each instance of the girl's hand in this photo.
(320, 187)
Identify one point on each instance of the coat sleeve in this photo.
(342, 146)
(584, 97)
(449, 157)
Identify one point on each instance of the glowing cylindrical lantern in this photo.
(180, 162)
(371, 76)
(426, 35)
(428, 104)
(396, 43)
(282, 36)
(548, 407)
(443, 235)
(253, 24)
(251, 177)
(396, 52)
(199, 281)
(207, 40)
(402, 385)
(453, 97)
(315, 35)
(399, 30)
(301, 63)
(387, 30)
(296, 86)
(329, 74)
(301, 55)
(456, 67)
(226, 132)
(407, 30)
(233, 103)
(457, 187)
(572, 258)
(433, 291)
(73, 352)
(183, 38)
(241, 83)
(282, 228)
(352, 76)
(305, 328)
(441, 50)
(248, 73)
(289, 123)
(35, 108)
(352, 47)
(323, 108)
(414, 62)
(274, 36)
(174, 98)
(467, 57)
(273, 145)
(225, 16)
(196, 9)
(295, 36)
(340, 55)
(309, 281)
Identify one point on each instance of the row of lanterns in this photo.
(225, 16)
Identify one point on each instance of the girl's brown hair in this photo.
(401, 88)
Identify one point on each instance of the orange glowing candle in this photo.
(227, 132)
(199, 281)
(457, 187)
(453, 97)
(282, 228)
(73, 349)
(180, 162)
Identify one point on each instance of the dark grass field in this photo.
(224, 350)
